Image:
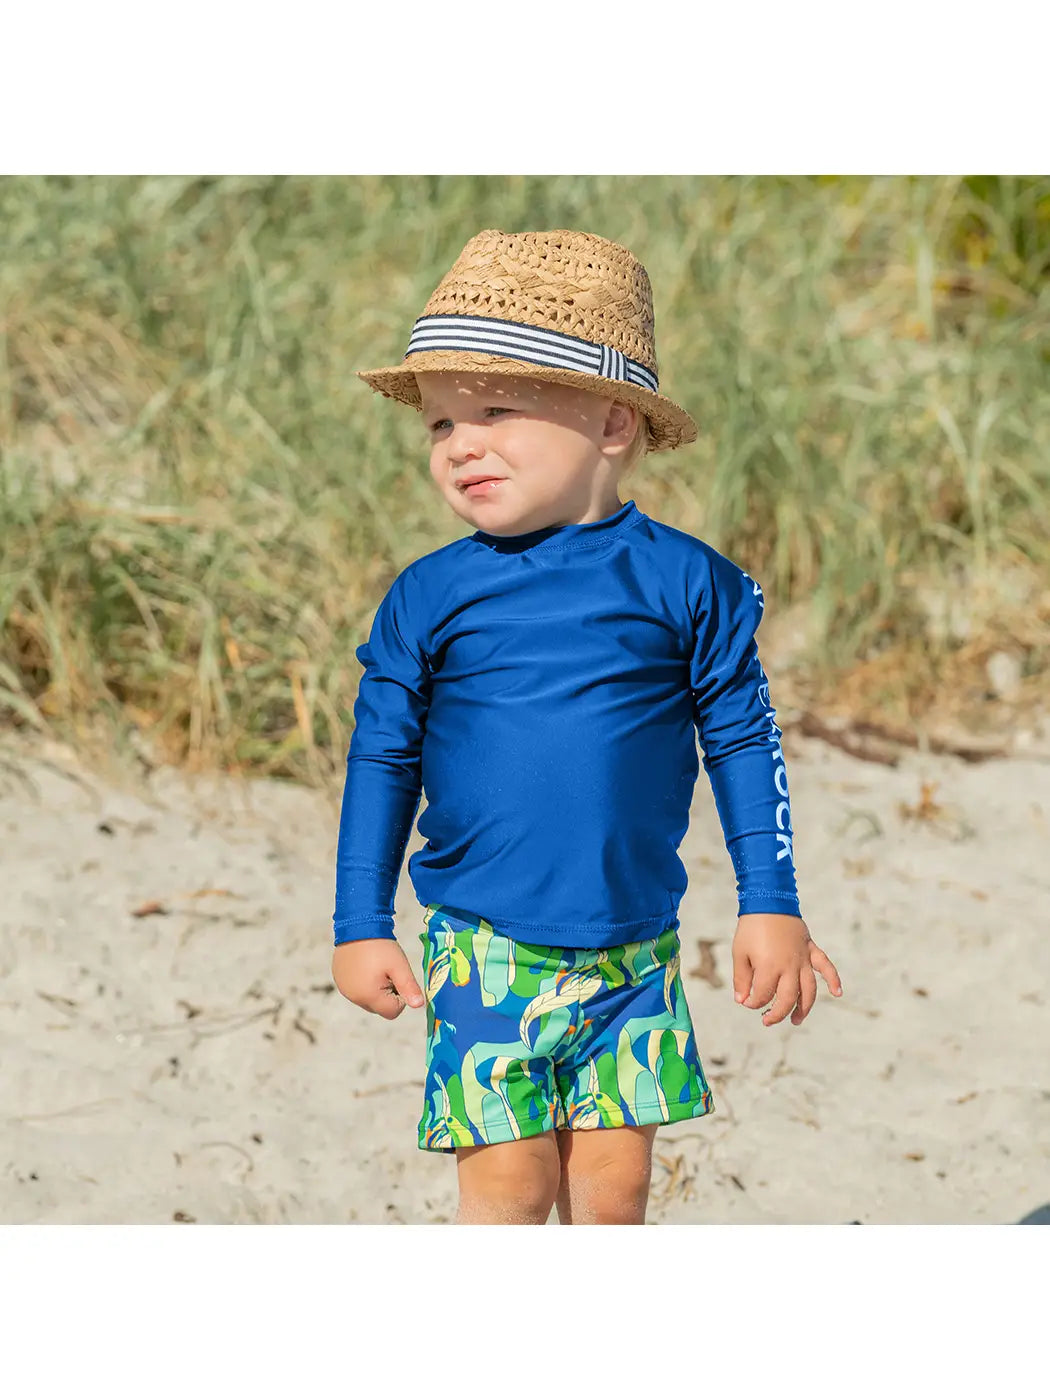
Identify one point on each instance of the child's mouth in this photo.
(482, 488)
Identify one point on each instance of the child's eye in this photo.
(441, 425)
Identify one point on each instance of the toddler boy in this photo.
(544, 680)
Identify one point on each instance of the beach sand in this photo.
(173, 1048)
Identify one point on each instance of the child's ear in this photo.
(621, 424)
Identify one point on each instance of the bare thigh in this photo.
(508, 1183)
(605, 1174)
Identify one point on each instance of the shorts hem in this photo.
(646, 1116)
(525, 1130)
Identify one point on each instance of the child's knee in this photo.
(607, 1178)
(613, 1193)
(511, 1180)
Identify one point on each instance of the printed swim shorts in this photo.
(523, 1038)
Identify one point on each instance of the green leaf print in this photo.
(495, 1117)
(673, 1074)
(670, 973)
(484, 1107)
(494, 959)
(629, 1069)
(610, 966)
(645, 1093)
(446, 1107)
(607, 1105)
(608, 1079)
(498, 1079)
(640, 958)
(637, 1027)
(533, 970)
(439, 1131)
(522, 1093)
(653, 1045)
(550, 1029)
(473, 1091)
(489, 973)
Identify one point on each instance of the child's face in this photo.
(545, 443)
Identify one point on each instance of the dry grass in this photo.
(200, 505)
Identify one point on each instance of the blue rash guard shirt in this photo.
(546, 691)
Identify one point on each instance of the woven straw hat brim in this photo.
(669, 425)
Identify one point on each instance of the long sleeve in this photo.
(741, 740)
(383, 772)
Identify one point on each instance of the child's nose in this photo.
(465, 443)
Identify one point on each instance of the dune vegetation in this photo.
(201, 506)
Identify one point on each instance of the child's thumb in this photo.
(408, 988)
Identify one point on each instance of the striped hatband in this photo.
(530, 344)
(563, 306)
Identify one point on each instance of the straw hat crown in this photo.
(563, 306)
(576, 283)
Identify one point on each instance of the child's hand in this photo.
(775, 960)
(374, 974)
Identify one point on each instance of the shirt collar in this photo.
(578, 536)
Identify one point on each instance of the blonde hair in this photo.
(638, 448)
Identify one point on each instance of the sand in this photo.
(195, 1064)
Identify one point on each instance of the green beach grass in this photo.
(201, 506)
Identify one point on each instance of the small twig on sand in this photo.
(66, 1005)
(680, 1180)
(299, 1025)
(382, 1088)
(815, 728)
(850, 738)
(63, 1112)
(215, 1025)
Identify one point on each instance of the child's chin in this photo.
(468, 505)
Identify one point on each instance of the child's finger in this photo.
(763, 990)
(785, 999)
(808, 983)
(388, 1004)
(742, 975)
(826, 968)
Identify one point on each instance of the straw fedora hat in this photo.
(566, 307)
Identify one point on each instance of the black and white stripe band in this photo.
(531, 344)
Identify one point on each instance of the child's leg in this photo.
(605, 1175)
(508, 1183)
